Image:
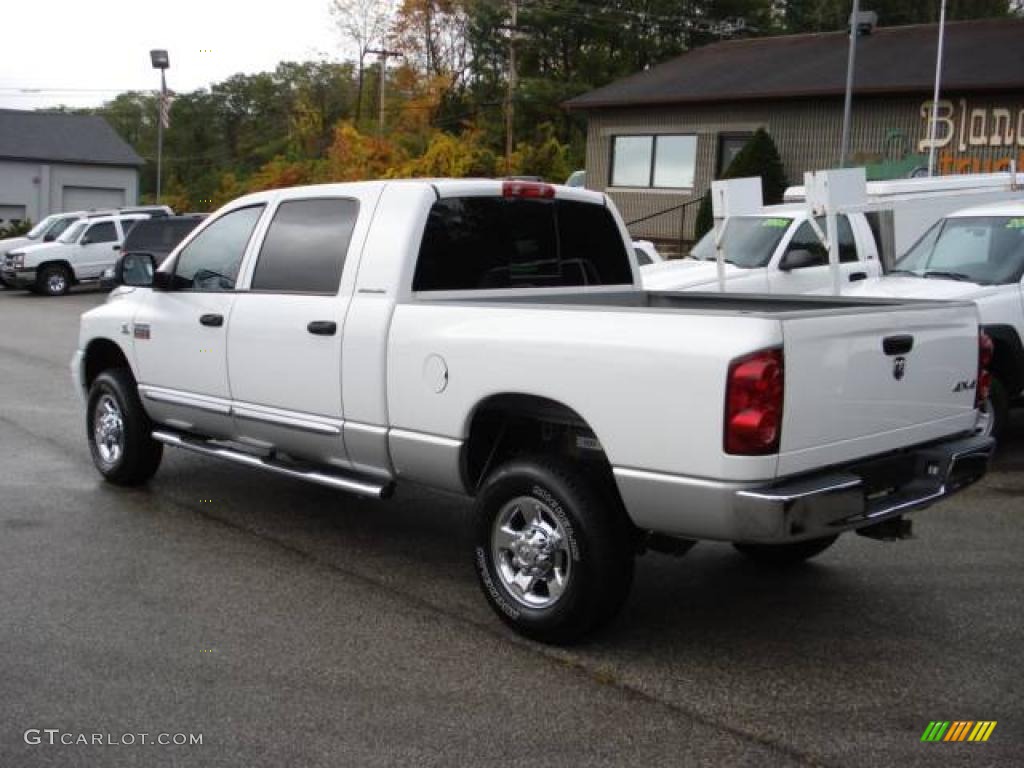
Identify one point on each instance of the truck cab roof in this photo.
(1004, 208)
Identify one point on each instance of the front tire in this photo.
(554, 549)
(53, 280)
(119, 431)
(786, 555)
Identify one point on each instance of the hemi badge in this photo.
(142, 330)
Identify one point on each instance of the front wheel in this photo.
(554, 549)
(119, 430)
(782, 555)
(53, 280)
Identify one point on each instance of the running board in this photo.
(371, 488)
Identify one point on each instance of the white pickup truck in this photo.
(491, 338)
(82, 253)
(976, 254)
(771, 250)
(775, 249)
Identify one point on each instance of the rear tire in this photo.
(53, 280)
(119, 431)
(784, 555)
(554, 549)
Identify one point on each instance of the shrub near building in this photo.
(760, 157)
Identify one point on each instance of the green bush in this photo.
(759, 157)
(15, 229)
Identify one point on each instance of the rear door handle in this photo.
(322, 327)
(855, 276)
(213, 321)
(897, 345)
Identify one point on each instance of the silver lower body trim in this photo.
(806, 507)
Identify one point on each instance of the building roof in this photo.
(986, 54)
(57, 137)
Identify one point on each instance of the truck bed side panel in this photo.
(650, 384)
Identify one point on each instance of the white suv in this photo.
(80, 255)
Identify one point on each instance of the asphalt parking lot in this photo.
(290, 625)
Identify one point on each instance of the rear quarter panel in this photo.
(650, 384)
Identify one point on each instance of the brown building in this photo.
(656, 139)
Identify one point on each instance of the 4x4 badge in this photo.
(899, 367)
(142, 330)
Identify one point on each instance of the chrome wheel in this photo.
(56, 283)
(531, 552)
(108, 429)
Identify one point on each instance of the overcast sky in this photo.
(94, 49)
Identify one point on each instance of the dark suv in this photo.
(159, 236)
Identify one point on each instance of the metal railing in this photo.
(682, 208)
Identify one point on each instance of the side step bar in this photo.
(371, 488)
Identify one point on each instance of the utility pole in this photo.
(933, 124)
(509, 114)
(384, 55)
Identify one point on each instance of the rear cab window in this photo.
(489, 243)
(305, 246)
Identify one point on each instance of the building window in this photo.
(665, 162)
(729, 145)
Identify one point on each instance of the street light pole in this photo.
(850, 64)
(160, 60)
(160, 133)
(933, 124)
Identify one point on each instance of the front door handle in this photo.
(322, 327)
(855, 276)
(213, 321)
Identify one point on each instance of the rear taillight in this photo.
(986, 349)
(528, 189)
(753, 404)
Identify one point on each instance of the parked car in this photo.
(80, 255)
(46, 231)
(159, 236)
(975, 254)
(54, 225)
(774, 248)
(483, 337)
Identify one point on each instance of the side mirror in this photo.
(48, 238)
(799, 259)
(136, 270)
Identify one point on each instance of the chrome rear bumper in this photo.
(846, 498)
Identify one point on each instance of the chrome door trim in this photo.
(282, 418)
(186, 399)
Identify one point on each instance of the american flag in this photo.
(165, 109)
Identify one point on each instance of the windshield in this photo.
(37, 231)
(749, 241)
(58, 228)
(71, 235)
(988, 250)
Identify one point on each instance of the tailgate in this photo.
(851, 393)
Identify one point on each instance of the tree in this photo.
(758, 158)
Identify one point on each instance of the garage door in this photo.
(85, 198)
(11, 213)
